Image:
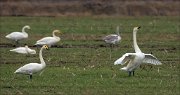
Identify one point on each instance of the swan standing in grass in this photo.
(113, 38)
(16, 36)
(135, 59)
(32, 68)
(24, 50)
(49, 40)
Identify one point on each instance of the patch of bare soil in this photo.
(89, 7)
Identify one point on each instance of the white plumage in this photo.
(32, 68)
(113, 38)
(135, 59)
(16, 36)
(49, 40)
(24, 50)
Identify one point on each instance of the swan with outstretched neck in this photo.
(17, 36)
(137, 58)
(31, 68)
(49, 40)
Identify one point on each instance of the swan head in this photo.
(25, 45)
(45, 47)
(124, 68)
(32, 52)
(27, 26)
(56, 31)
(136, 28)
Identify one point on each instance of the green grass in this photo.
(86, 68)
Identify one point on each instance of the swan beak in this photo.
(29, 27)
(59, 32)
(139, 27)
(47, 48)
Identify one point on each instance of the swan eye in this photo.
(46, 47)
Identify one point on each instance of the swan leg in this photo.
(30, 76)
(133, 73)
(110, 53)
(129, 73)
(111, 46)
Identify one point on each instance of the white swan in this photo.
(113, 38)
(49, 40)
(16, 36)
(32, 68)
(135, 59)
(24, 50)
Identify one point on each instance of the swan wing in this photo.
(47, 40)
(125, 58)
(15, 35)
(29, 68)
(19, 50)
(149, 58)
(110, 37)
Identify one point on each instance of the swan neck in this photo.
(117, 30)
(136, 47)
(41, 58)
(118, 33)
(24, 32)
(54, 34)
(23, 29)
(56, 37)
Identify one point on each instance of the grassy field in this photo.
(81, 65)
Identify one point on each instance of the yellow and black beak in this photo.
(46, 47)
